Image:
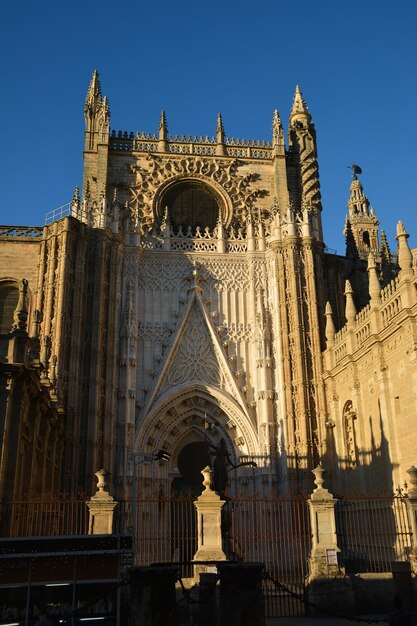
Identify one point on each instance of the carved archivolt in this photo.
(186, 409)
(235, 189)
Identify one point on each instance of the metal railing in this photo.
(373, 532)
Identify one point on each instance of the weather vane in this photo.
(355, 170)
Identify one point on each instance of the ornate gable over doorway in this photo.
(196, 356)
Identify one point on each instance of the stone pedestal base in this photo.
(241, 597)
(207, 610)
(325, 594)
(152, 596)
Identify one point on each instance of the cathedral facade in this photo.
(186, 301)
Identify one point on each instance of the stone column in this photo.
(101, 507)
(152, 599)
(209, 513)
(327, 585)
(241, 596)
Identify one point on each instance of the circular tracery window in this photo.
(191, 203)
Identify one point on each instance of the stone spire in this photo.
(94, 98)
(374, 284)
(330, 329)
(387, 262)
(299, 109)
(96, 115)
(220, 147)
(304, 188)
(277, 133)
(350, 309)
(163, 133)
(405, 258)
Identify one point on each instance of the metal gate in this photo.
(276, 532)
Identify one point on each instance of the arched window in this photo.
(349, 417)
(191, 203)
(9, 296)
(366, 239)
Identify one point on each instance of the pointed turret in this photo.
(304, 186)
(163, 133)
(330, 328)
(350, 309)
(351, 249)
(97, 138)
(75, 202)
(96, 114)
(363, 221)
(94, 98)
(374, 284)
(220, 137)
(387, 261)
(405, 258)
(299, 111)
(277, 134)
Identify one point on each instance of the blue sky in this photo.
(356, 63)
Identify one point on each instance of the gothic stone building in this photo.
(186, 296)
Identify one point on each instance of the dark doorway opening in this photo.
(191, 460)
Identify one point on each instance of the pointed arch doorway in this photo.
(192, 458)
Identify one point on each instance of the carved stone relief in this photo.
(236, 189)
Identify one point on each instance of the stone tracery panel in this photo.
(223, 175)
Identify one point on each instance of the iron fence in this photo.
(44, 517)
(372, 533)
(276, 532)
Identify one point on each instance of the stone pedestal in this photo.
(207, 609)
(327, 585)
(209, 511)
(101, 507)
(152, 596)
(241, 597)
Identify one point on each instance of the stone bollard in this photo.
(207, 609)
(152, 596)
(241, 596)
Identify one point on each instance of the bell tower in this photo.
(362, 223)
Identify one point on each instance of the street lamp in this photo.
(143, 458)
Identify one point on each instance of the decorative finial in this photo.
(219, 128)
(299, 105)
(163, 127)
(220, 148)
(350, 309)
(405, 257)
(93, 100)
(277, 130)
(330, 328)
(374, 283)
